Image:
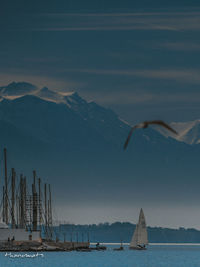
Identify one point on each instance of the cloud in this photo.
(147, 97)
(180, 75)
(107, 28)
(166, 20)
(48, 60)
(189, 76)
(185, 12)
(38, 80)
(181, 46)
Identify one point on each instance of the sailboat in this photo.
(120, 248)
(140, 239)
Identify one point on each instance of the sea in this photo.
(157, 255)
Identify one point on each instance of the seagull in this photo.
(144, 125)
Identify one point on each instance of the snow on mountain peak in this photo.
(71, 99)
(19, 89)
(16, 89)
(188, 132)
(49, 95)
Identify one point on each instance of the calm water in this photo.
(155, 256)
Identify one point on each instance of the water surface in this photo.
(155, 256)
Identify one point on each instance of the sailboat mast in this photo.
(13, 199)
(45, 209)
(6, 186)
(40, 204)
(3, 215)
(50, 212)
(34, 195)
(21, 202)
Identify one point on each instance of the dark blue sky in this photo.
(140, 58)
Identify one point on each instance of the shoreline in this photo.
(153, 244)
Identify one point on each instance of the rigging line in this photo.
(1, 168)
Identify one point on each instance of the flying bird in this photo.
(144, 125)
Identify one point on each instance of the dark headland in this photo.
(115, 232)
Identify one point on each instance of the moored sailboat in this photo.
(140, 238)
(120, 248)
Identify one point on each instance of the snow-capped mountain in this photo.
(97, 116)
(103, 121)
(70, 140)
(14, 89)
(189, 132)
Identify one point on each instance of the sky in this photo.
(139, 58)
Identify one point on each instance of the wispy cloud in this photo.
(184, 12)
(141, 96)
(181, 46)
(180, 75)
(108, 28)
(166, 20)
(38, 80)
(43, 59)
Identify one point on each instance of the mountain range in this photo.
(78, 147)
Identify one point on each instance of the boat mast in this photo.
(50, 213)
(25, 201)
(3, 215)
(6, 186)
(21, 204)
(34, 202)
(45, 209)
(40, 204)
(13, 199)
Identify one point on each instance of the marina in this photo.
(26, 222)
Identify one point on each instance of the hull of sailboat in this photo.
(137, 248)
(118, 249)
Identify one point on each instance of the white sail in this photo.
(140, 234)
(134, 240)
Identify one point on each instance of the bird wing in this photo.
(130, 133)
(163, 124)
